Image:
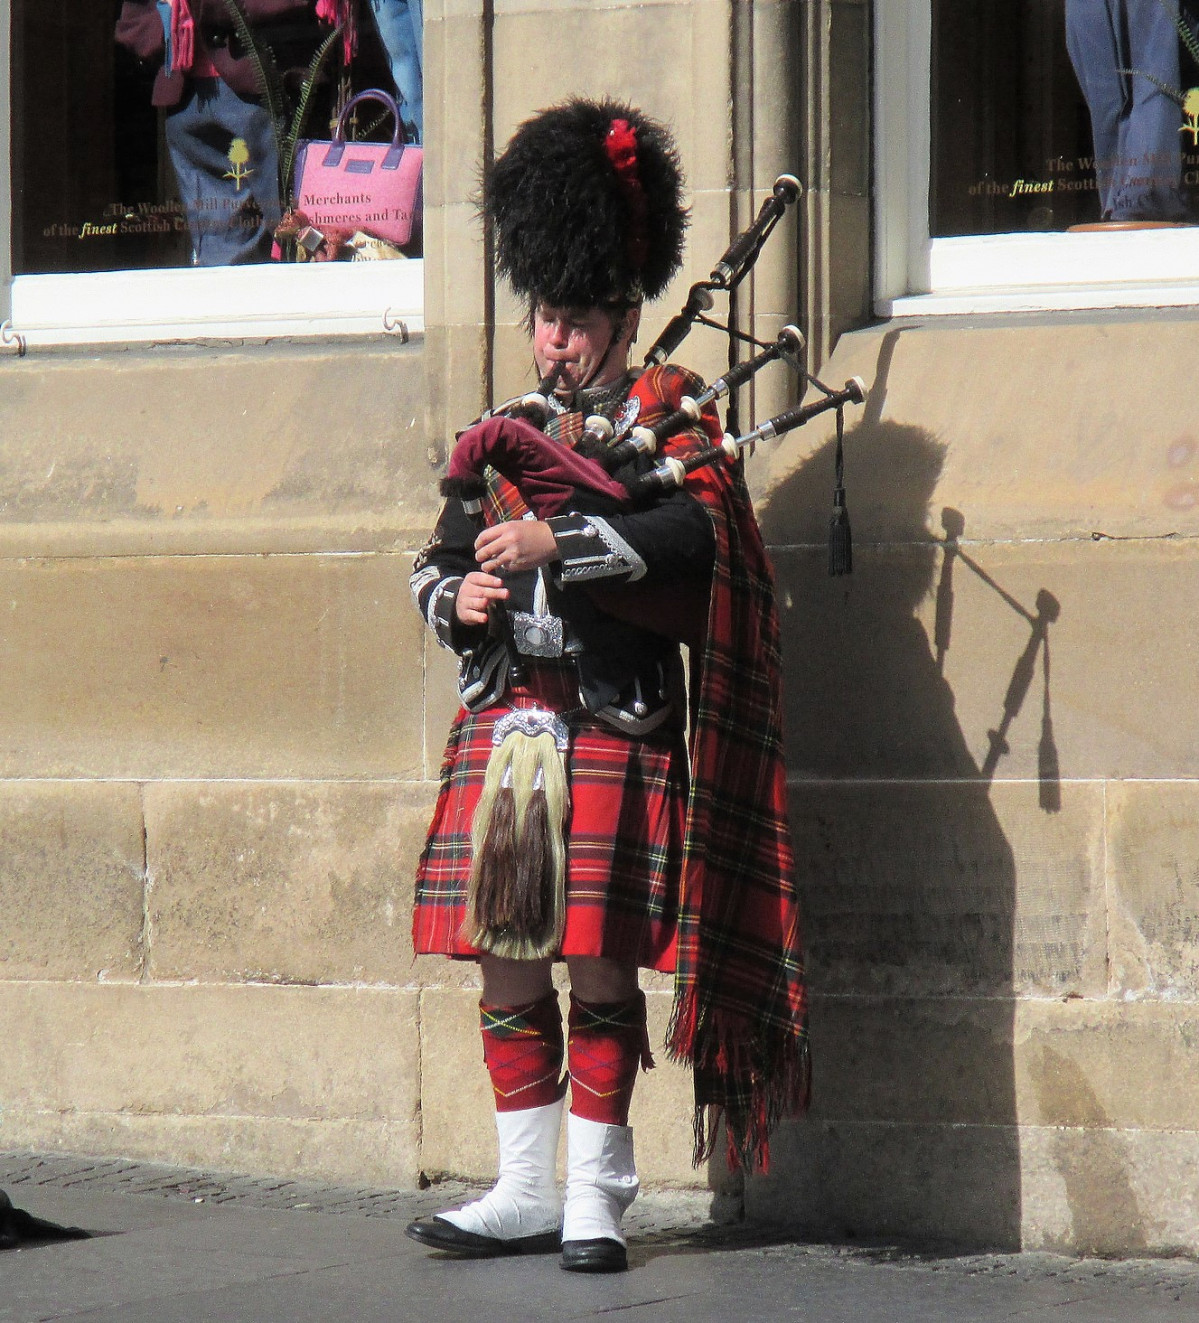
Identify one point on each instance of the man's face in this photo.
(592, 344)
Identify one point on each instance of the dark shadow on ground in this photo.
(21, 1230)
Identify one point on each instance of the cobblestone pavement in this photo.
(673, 1215)
(681, 1220)
(678, 1217)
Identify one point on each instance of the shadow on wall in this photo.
(907, 878)
(1106, 1216)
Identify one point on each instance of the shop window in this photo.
(157, 136)
(1038, 144)
(1049, 114)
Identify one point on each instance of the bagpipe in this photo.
(554, 479)
(515, 900)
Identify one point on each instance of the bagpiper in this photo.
(601, 802)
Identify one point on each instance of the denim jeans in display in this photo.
(401, 29)
(225, 159)
(1113, 44)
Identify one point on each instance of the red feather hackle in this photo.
(620, 144)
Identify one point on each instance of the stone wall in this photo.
(994, 788)
(213, 755)
(5, 152)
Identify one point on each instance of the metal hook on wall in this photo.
(11, 338)
(394, 326)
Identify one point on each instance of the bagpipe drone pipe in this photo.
(593, 476)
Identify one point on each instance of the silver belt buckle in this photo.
(537, 636)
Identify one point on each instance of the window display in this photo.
(163, 133)
(1053, 115)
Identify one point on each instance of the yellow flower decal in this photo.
(239, 156)
(1190, 112)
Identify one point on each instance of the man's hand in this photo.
(475, 595)
(519, 544)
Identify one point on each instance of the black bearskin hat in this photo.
(586, 202)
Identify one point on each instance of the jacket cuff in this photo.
(590, 548)
(439, 612)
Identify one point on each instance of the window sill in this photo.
(1033, 298)
(261, 302)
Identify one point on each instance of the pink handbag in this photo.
(370, 186)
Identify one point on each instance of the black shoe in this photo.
(439, 1234)
(601, 1255)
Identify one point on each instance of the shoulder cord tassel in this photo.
(840, 541)
(516, 902)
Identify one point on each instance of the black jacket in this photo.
(630, 674)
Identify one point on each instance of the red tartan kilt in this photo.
(628, 801)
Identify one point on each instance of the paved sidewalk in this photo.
(172, 1245)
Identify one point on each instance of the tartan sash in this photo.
(740, 1008)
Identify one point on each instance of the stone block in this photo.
(460, 394)
(998, 1061)
(913, 1061)
(1099, 1191)
(625, 43)
(1110, 1192)
(848, 95)
(846, 1180)
(285, 666)
(510, 312)
(1107, 1065)
(850, 259)
(708, 235)
(923, 665)
(891, 475)
(775, 275)
(464, 277)
(71, 880)
(437, 375)
(433, 971)
(452, 9)
(701, 88)
(514, 371)
(442, 703)
(661, 1116)
(771, 391)
(776, 114)
(283, 883)
(1022, 457)
(457, 1107)
(453, 56)
(372, 1153)
(1153, 831)
(298, 1075)
(1120, 697)
(111, 456)
(943, 889)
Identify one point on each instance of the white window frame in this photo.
(916, 275)
(247, 302)
(5, 180)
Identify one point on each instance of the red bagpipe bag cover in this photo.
(740, 1004)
